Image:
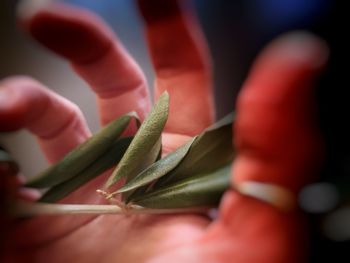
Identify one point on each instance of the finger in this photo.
(277, 142)
(59, 127)
(276, 133)
(95, 54)
(57, 123)
(182, 66)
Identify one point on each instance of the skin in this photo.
(276, 138)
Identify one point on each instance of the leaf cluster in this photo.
(194, 175)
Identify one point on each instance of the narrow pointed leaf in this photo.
(149, 159)
(141, 189)
(158, 169)
(82, 156)
(144, 144)
(101, 164)
(226, 120)
(203, 190)
(211, 149)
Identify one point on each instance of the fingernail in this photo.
(304, 48)
(28, 8)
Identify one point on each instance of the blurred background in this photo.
(235, 31)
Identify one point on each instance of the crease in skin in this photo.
(136, 228)
(115, 69)
(71, 121)
(66, 234)
(21, 102)
(139, 236)
(31, 106)
(85, 194)
(45, 242)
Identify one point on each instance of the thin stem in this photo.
(35, 209)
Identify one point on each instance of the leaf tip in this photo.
(165, 96)
(133, 114)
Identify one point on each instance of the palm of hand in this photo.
(117, 238)
(183, 71)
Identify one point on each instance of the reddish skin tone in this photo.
(275, 136)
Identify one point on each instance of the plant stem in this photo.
(35, 209)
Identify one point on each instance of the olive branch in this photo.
(190, 179)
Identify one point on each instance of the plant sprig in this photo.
(192, 177)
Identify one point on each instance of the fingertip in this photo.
(306, 46)
(276, 131)
(73, 33)
(297, 48)
(282, 82)
(23, 101)
(286, 66)
(10, 116)
(27, 8)
(95, 54)
(157, 10)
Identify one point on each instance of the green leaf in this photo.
(226, 120)
(149, 159)
(146, 144)
(82, 156)
(210, 150)
(157, 169)
(101, 164)
(203, 190)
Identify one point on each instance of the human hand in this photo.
(275, 136)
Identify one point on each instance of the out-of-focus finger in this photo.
(59, 127)
(181, 61)
(276, 131)
(57, 123)
(94, 53)
(277, 144)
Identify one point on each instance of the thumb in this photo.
(276, 134)
(278, 142)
